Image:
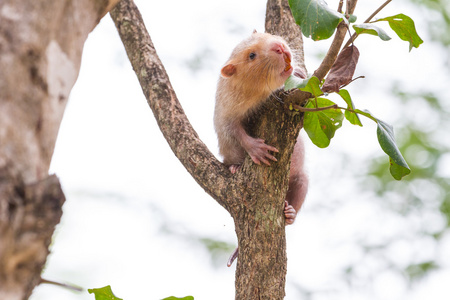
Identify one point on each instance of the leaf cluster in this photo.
(322, 116)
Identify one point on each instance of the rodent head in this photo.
(259, 65)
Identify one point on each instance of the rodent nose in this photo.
(279, 48)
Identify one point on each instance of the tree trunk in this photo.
(260, 224)
(41, 42)
(259, 219)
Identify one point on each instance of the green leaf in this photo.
(315, 18)
(404, 28)
(313, 86)
(104, 293)
(322, 125)
(397, 171)
(352, 117)
(398, 166)
(371, 29)
(385, 133)
(294, 82)
(175, 298)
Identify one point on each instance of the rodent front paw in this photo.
(259, 152)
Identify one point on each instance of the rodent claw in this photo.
(266, 162)
(234, 168)
(272, 157)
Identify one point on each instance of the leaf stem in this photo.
(367, 115)
(355, 35)
(334, 106)
(359, 77)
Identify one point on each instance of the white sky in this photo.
(124, 185)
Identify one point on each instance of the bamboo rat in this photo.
(257, 67)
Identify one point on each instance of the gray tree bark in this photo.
(41, 42)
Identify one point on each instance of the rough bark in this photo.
(41, 42)
(255, 195)
(260, 223)
(28, 216)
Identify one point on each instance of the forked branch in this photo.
(190, 150)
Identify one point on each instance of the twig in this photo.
(355, 35)
(359, 113)
(304, 109)
(377, 11)
(341, 3)
(67, 286)
(359, 77)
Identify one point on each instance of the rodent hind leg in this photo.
(289, 213)
(298, 184)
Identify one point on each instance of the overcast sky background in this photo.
(132, 210)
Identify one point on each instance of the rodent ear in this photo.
(228, 71)
(254, 31)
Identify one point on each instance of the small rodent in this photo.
(257, 67)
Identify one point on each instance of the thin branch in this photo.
(63, 285)
(305, 109)
(377, 11)
(355, 35)
(341, 4)
(359, 77)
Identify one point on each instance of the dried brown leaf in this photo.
(341, 73)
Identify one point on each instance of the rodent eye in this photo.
(252, 55)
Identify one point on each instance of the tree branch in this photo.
(41, 42)
(209, 173)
